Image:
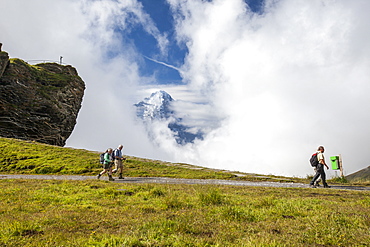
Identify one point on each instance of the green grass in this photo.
(48, 80)
(99, 213)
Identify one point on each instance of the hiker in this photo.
(108, 162)
(320, 172)
(118, 158)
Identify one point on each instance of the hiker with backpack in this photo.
(107, 161)
(118, 158)
(318, 162)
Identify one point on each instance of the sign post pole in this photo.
(341, 166)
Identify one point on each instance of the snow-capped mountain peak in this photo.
(159, 106)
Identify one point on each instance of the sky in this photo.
(268, 81)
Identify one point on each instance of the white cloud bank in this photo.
(289, 80)
(282, 83)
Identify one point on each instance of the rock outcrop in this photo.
(38, 102)
(4, 60)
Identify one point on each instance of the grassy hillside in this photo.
(24, 157)
(99, 213)
(360, 176)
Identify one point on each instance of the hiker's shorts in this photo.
(118, 163)
(107, 166)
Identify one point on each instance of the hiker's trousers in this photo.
(319, 172)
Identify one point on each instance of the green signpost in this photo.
(335, 162)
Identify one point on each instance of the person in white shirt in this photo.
(320, 168)
(118, 158)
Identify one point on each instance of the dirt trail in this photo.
(164, 180)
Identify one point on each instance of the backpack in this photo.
(102, 158)
(313, 160)
(113, 154)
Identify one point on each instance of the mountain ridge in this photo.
(362, 175)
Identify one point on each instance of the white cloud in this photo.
(288, 80)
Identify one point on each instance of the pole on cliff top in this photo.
(60, 59)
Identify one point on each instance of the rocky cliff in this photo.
(38, 102)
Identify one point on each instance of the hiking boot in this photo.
(312, 186)
(98, 177)
(111, 178)
(317, 184)
(120, 176)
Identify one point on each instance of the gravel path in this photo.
(163, 180)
